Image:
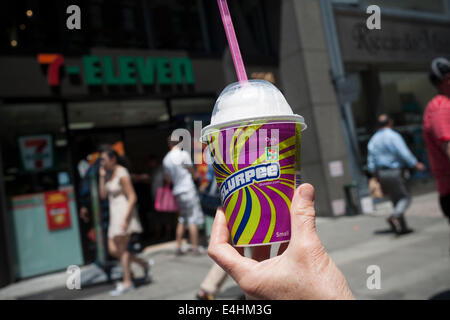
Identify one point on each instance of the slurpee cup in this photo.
(254, 142)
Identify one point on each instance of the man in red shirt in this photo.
(436, 130)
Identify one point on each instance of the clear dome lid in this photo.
(252, 100)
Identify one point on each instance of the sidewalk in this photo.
(172, 278)
(415, 266)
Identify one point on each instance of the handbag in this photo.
(165, 200)
(210, 199)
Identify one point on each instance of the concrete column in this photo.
(306, 83)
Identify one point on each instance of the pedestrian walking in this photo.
(210, 200)
(436, 131)
(212, 283)
(180, 172)
(123, 216)
(155, 178)
(388, 156)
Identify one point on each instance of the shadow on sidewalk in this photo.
(83, 293)
(383, 231)
(444, 295)
(232, 293)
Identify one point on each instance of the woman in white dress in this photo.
(123, 218)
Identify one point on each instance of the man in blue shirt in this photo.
(388, 155)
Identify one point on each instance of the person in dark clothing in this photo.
(85, 212)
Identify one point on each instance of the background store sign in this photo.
(57, 210)
(123, 70)
(36, 152)
(398, 41)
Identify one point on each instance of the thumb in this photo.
(303, 217)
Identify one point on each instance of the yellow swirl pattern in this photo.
(247, 217)
(273, 216)
(253, 221)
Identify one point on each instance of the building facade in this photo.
(139, 69)
(135, 71)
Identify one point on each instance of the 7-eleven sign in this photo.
(36, 152)
(272, 153)
(55, 62)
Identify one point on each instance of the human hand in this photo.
(303, 271)
(419, 166)
(102, 172)
(84, 214)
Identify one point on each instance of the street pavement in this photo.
(414, 266)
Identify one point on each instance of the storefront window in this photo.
(402, 95)
(192, 107)
(252, 23)
(30, 26)
(176, 25)
(103, 114)
(27, 25)
(42, 216)
(34, 148)
(192, 25)
(405, 95)
(117, 23)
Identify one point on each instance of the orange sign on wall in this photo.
(57, 210)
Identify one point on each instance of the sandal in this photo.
(203, 295)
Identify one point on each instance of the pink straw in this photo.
(232, 41)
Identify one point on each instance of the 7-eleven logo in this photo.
(39, 145)
(55, 61)
(272, 153)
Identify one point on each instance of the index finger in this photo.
(223, 253)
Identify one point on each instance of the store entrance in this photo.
(403, 95)
(42, 216)
(142, 149)
(43, 143)
(140, 128)
(84, 150)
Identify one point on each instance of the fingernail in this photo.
(307, 192)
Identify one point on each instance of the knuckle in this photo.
(308, 223)
(212, 252)
(305, 208)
